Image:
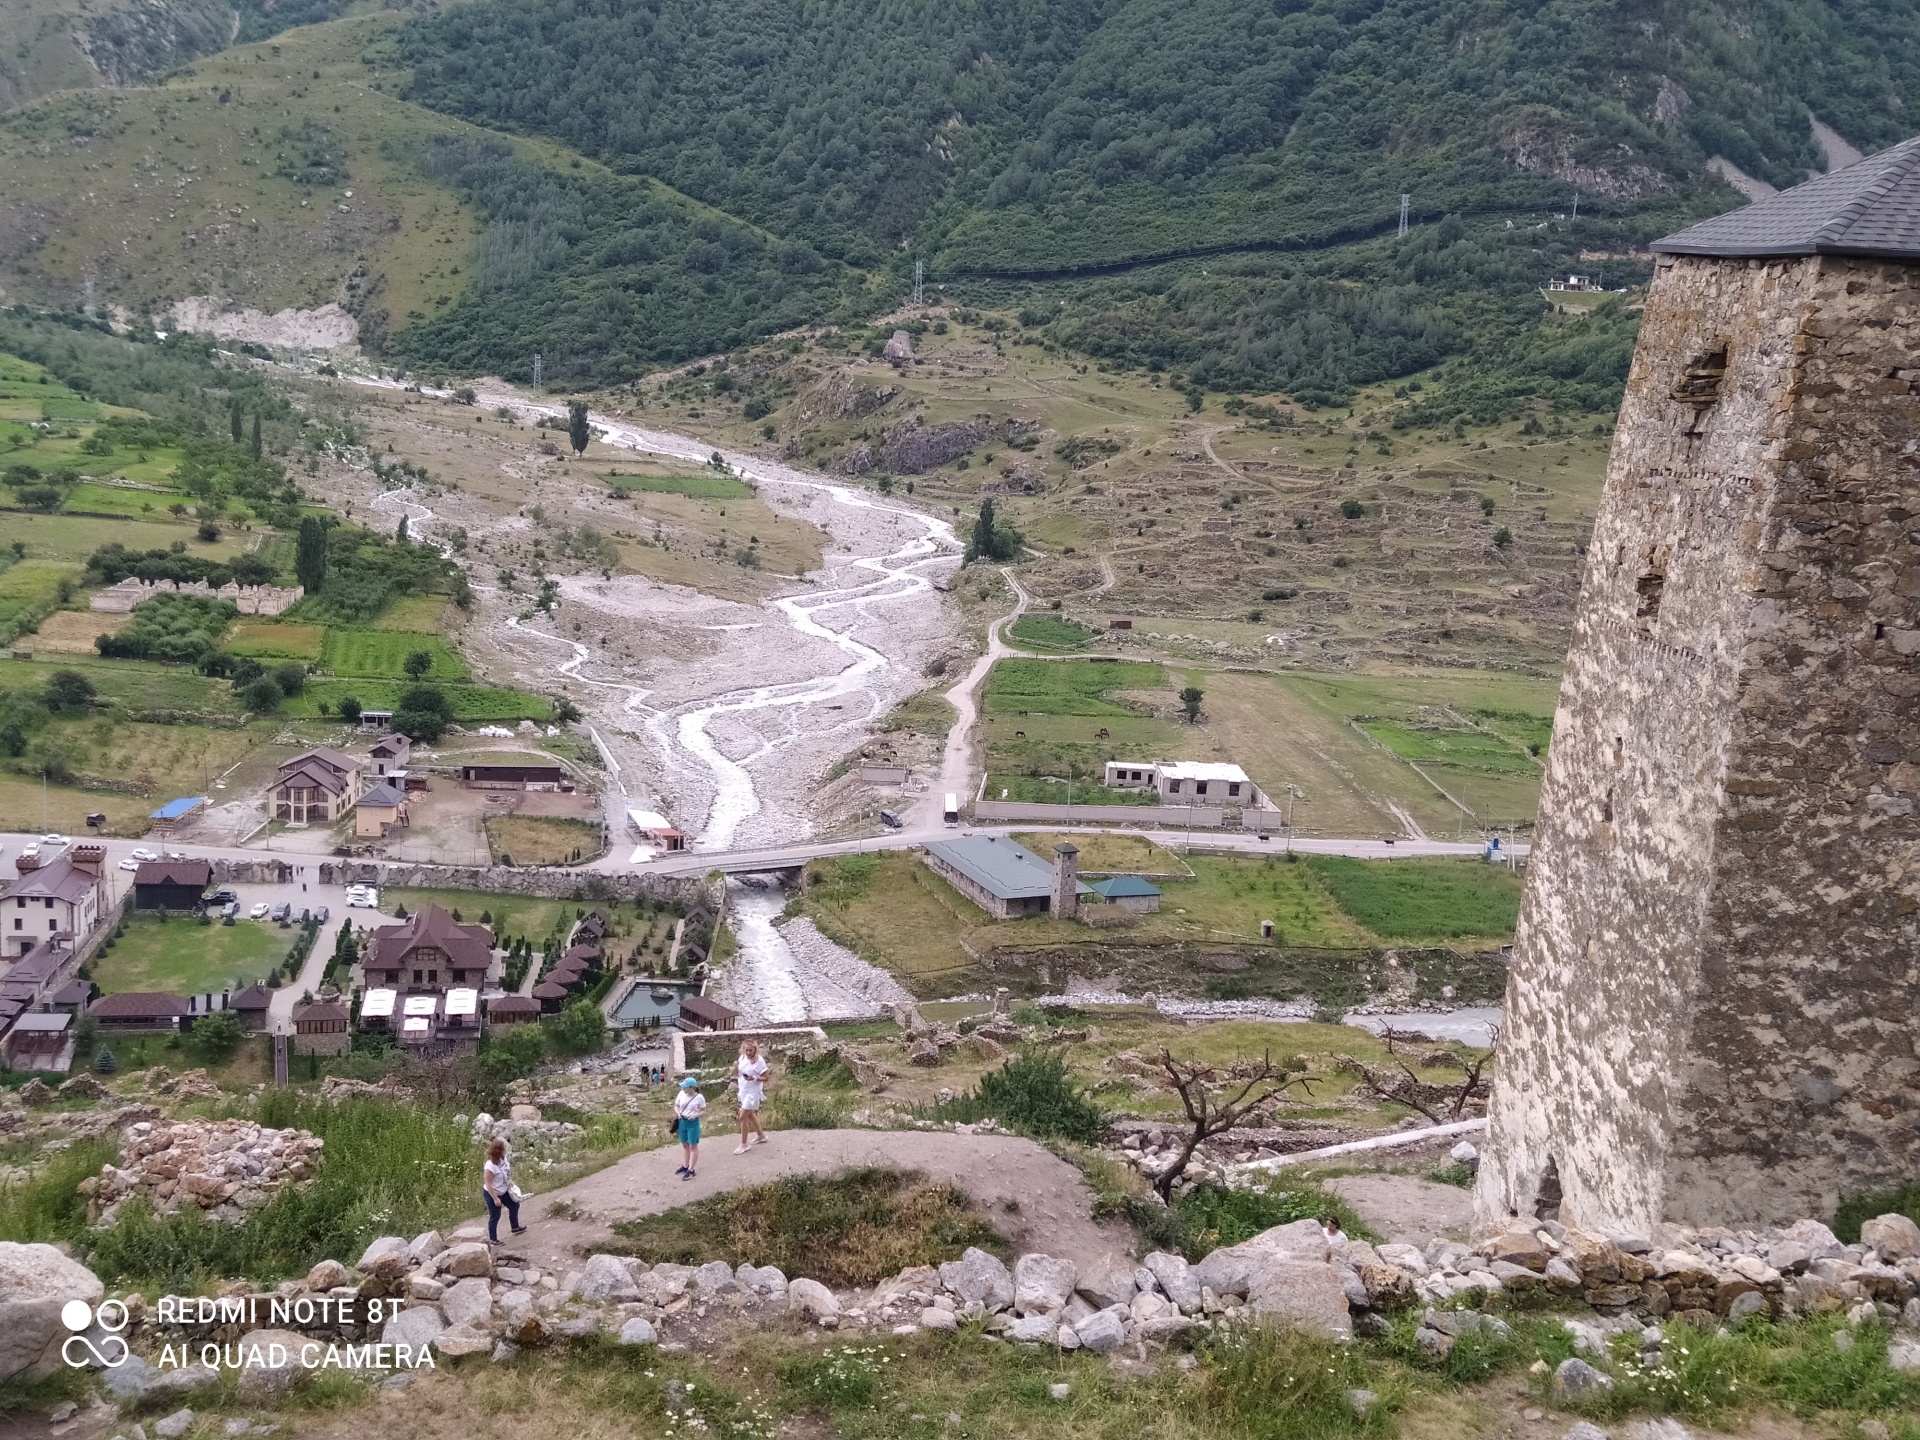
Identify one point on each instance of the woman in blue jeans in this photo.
(496, 1184)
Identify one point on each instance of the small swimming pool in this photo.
(651, 1001)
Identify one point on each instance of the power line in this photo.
(1406, 203)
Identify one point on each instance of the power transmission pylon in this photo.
(536, 369)
(1406, 202)
(919, 280)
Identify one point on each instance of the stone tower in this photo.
(1713, 1014)
(1065, 903)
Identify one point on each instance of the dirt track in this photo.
(1055, 1203)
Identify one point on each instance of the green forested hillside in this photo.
(1038, 137)
(1210, 186)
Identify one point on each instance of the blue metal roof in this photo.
(1115, 887)
(174, 809)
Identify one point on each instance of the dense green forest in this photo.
(607, 276)
(1204, 185)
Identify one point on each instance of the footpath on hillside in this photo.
(1030, 1195)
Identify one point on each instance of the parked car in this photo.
(229, 910)
(30, 849)
(321, 916)
(54, 840)
(891, 820)
(176, 854)
(258, 912)
(142, 853)
(364, 896)
(129, 864)
(303, 917)
(223, 897)
(282, 913)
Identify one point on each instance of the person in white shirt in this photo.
(750, 1072)
(496, 1185)
(688, 1106)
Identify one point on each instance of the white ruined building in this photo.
(247, 599)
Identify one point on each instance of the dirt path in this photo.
(1054, 1202)
(956, 764)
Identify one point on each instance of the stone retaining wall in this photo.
(543, 884)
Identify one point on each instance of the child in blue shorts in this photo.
(688, 1106)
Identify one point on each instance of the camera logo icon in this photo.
(80, 1349)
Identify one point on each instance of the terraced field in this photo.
(383, 654)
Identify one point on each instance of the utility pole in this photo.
(919, 285)
(1406, 203)
(537, 367)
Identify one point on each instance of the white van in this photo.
(950, 812)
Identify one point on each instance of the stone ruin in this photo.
(224, 1167)
(1713, 1012)
(247, 599)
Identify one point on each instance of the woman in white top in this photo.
(750, 1071)
(496, 1185)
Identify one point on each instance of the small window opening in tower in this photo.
(1546, 1203)
(1652, 584)
(1701, 380)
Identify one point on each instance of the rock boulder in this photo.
(36, 1281)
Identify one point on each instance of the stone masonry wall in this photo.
(1631, 955)
(1801, 1071)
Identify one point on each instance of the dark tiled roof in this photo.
(321, 1010)
(1871, 208)
(548, 990)
(254, 997)
(469, 946)
(197, 873)
(138, 1005)
(701, 1008)
(311, 775)
(74, 992)
(513, 1005)
(60, 880)
(383, 796)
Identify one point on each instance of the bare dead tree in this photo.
(1440, 1103)
(1249, 1086)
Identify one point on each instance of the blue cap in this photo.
(687, 1082)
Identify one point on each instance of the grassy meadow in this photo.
(179, 956)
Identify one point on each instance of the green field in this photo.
(132, 684)
(95, 498)
(1423, 899)
(1081, 789)
(1045, 630)
(1469, 749)
(1531, 733)
(412, 612)
(470, 702)
(276, 638)
(714, 486)
(75, 537)
(1066, 687)
(182, 957)
(383, 653)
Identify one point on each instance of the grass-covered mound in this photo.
(854, 1228)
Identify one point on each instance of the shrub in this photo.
(215, 1037)
(580, 1029)
(1032, 1094)
(1352, 509)
(853, 1228)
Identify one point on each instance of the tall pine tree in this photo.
(310, 554)
(233, 417)
(256, 434)
(577, 430)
